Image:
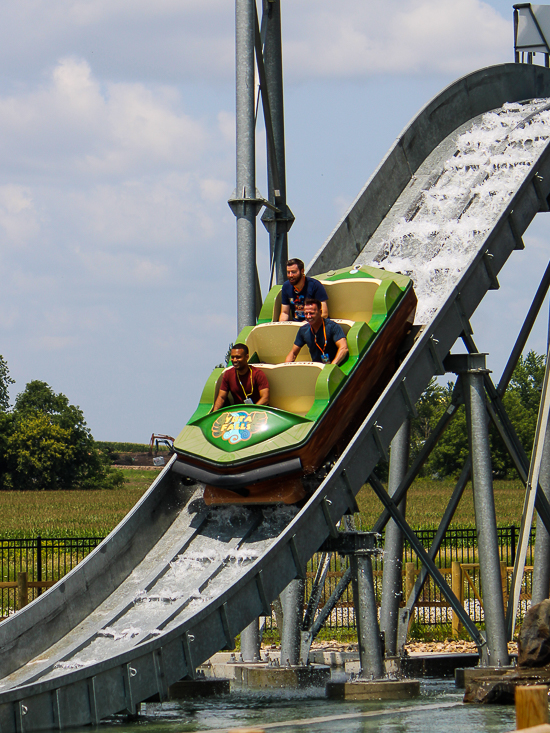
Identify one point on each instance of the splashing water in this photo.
(438, 237)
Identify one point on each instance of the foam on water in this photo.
(436, 240)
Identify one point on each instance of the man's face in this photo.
(312, 313)
(239, 359)
(294, 274)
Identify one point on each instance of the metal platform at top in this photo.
(175, 581)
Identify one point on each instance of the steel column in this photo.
(541, 570)
(251, 642)
(366, 616)
(392, 580)
(245, 211)
(472, 369)
(292, 600)
(276, 222)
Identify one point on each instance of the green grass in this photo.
(126, 447)
(95, 513)
(71, 513)
(426, 502)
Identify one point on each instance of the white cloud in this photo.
(361, 39)
(189, 40)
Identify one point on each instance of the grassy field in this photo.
(427, 500)
(70, 513)
(95, 513)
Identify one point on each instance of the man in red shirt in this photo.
(247, 384)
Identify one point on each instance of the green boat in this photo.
(263, 454)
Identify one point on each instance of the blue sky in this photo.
(117, 247)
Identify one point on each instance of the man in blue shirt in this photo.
(325, 338)
(296, 289)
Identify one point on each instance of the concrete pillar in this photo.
(292, 601)
(392, 578)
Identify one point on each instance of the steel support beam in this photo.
(244, 201)
(292, 600)
(472, 368)
(366, 617)
(392, 579)
(426, 560)
(251, 642)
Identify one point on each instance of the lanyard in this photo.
(246, 396)
(322, 350)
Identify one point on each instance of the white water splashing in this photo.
(112, 633)
(442, 232)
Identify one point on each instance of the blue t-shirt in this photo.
(312, 289)
(316, 342)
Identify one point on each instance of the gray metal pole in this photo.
(292, 600)
(392, 579)
(541, 566)
(251, 642)
(484, 507)
(273, 60)
(366, 616)
(246, 163)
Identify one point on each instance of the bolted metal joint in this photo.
(353, 543)
(466, 363)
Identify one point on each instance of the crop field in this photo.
(95, 513)
(70, 513)
(426, 502)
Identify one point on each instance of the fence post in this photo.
(458, 589)
(39, 561)
(22, 590)
(410, 577)
(531, 706)
(504, 580)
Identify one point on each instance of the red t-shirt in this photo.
(240, 387)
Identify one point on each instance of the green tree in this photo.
(5, 381)
(521, 402)
(49, 445)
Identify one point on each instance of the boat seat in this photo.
(292, 386)
(351, 299)
(271, 342)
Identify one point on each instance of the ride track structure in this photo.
(174, 582)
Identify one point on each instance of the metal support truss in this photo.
(263, 47)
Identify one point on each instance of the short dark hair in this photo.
(296, 261)
(244, 347)
(312, 301)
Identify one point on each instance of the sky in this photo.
(117, 157)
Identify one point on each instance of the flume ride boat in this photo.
(264, 454)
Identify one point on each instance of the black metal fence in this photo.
(47, 560)
(44, 560)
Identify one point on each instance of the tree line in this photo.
(45, 443)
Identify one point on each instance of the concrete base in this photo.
(464, 676)
(261, 676)
(198, 688)
(374, 689)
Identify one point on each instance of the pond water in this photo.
(439, 708)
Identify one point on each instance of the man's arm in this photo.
(220, 399)
(324, 308)
(284, 315)
(264, 396)
(342, 352)
(293, 353)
